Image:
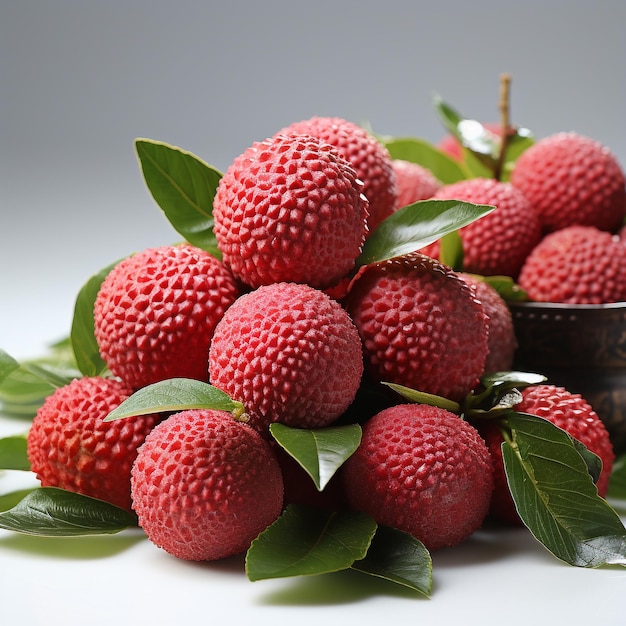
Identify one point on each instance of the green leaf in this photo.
(517, 143)
(174, 394)
(13, 453)
(53, 512)
(9, 500)
(82, 338)
(306, 541)
(446, 169)
(451, 251)
(617, 485)
(184, 187)
(505, 286)
(556, 497)
(421, 397)
(417, 225)
(53, 375)
(319, 451)
(7, 365)
(400, 558)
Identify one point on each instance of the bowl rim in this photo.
(562, 306)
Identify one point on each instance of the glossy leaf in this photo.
(617, 485)
(53, 512)
(184, 187)
(319, 451)
(417, 225)
(174, 394)
(451, 251)
(508, 289)
(556, 497)
(7, 365)
(55, 376)
(13, 453)
(306, 541)
(12, 499)
(400, 558)
(421, 397)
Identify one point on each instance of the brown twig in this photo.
(505, 112)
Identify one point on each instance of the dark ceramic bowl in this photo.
(582, 348)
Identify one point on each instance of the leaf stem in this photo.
(505, 113)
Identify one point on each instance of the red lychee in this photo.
(572, 179)
(369, 158)
(413, 182)
(290, 209)
(71, 446)
(568, 411)
(421, 326)
(290, 354)
(576, 265)
(498, 243)
(156, 310)
(204, 485)
(423, 470)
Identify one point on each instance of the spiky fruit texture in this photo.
(204, 485)
(413, 182)
(568, 411)
(290, 354)
(572, 179)
(370, 159)
(290, 209)
(155, 313)
(502, 341)
(421, 326)
(423, 470)
(576, 265)
(70, 445)
(498, 243)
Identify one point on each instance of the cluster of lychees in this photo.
(265, 325)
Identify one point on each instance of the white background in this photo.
(79, 81)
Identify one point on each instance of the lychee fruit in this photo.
(502, 342)
(576, 265)
(414, 182)
(290, 354)
(423, 470)
(290, 209)
(70, 446)
(155, 313)
(421, 326)
(368, 156)
(572, 179)
(499, 242)
(205, 485)
(570, 412)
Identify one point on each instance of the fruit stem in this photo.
(505, 113)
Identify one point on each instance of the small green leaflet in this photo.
(319, 451)
(306, 541)
(7, 365)
(421, 397)
(13, 453)
(174, 394)
(417, 225)
(184, 187)
(53, 512)
(555, 495)
(617, 486)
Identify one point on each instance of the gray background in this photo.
(79, 81)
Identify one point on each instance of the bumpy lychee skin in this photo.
(572, 179)
(576, 265)
(71, 446)
(204, 485)
(421, 326)
(414, 182)
(290, 209)
(156, 311)
(370, 159)
(499, 242)
(423, 470)
(290, 353)
(568, 411)
(502, 341)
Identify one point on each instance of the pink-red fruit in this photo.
(414, 182)
(204, 485)
(423, 470)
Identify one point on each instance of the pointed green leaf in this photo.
(421, 397)
(306, 541)
(13, 453)
(451, 251)
(617, 485)
(53, 512)
(184, 187)
(400, 558)
(556, 497)
(174, 394)
(506, 287)
(319, 451)
(55, 376)
(82, 337)
(7, 365)
(417, 225)
(10, 500)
